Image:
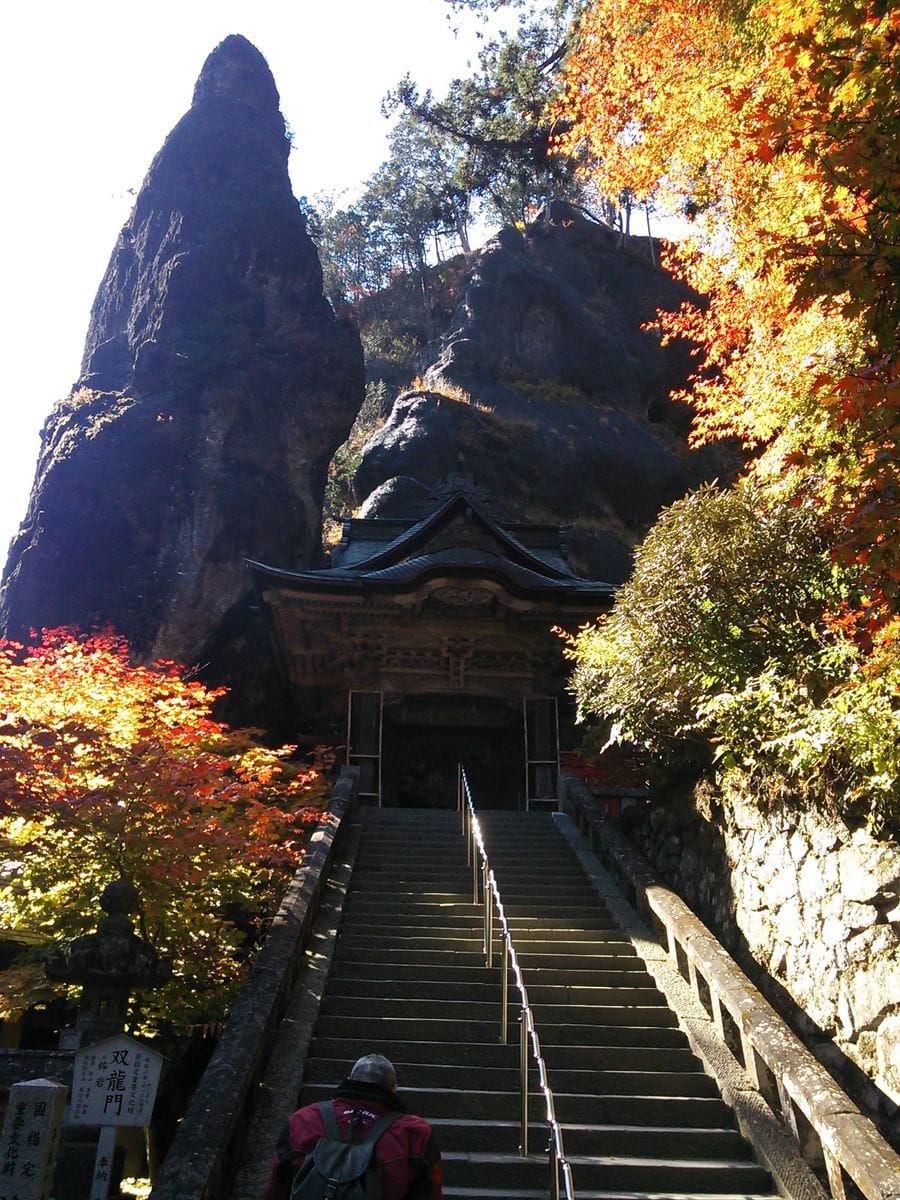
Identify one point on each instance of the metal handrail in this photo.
(480, 865)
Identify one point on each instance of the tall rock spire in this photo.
(216, 383)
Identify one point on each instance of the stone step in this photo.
(634, 1141)
(429, 858)
(400, 1051)
(383, 912)
(436, 895)
(550, 921)
(581, 1015)
(657, 1083)
(375, 878)
(694, 1112)
(502, 1137)
(405, 926)
(361, 991)
(454, 1011)
(611, 1018)
(548, 963)
(384, 942)
(644, 1032)
(366, 1029)
(561, 1059)
(659, 1174)
(680, 1084)
(478, 1193)
(595, 989)
(490, 1170)
(503, 1170)
(431, 1075)
(347, 951)
(605, 1006)
(589, 967)
(414, 823)
(394, 853)
(477, 1104)
(484, 1193)
(352, 984)
(470, 1103)
(529, 936)
(524, 935)
(587, 1140)
(470, 942)
(390, 972)
(551, 961)
(544, 884)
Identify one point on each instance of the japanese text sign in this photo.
(30, 1139)
(114, 1083)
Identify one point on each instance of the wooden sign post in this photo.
(114, 1083)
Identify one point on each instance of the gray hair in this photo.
(375, 1068)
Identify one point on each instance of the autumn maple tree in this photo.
(774, 123)
(111, 771)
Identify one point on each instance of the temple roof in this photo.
(460, 538)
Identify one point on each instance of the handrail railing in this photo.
(830, 1130)
(477, 858)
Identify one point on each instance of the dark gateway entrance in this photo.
(426, 737)
(433, 640)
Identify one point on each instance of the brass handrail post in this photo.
(554, 1169)
(504, 995)
(488, 915)
(528, 1036)
(523, 1081)
(474, 867)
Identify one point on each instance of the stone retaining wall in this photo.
(812, 911)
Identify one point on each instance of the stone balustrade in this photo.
(202, 1150)
(842, 1145)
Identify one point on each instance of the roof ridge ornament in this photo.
(462, 482)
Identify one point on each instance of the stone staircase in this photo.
(639, 1116)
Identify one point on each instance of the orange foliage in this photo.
(778, 121)
(109, 770)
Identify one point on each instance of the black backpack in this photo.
(341, 1167)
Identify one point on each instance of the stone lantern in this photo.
(109, 964)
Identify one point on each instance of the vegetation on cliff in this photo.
(778, 122)
(110, 771)
(482, 153)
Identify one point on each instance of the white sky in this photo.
(89, 89)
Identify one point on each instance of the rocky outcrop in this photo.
(812, 909)
(552, 393)
(215, 386)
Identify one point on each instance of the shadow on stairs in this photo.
(407, 980)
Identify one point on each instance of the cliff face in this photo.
(215, 386)
(548, 389)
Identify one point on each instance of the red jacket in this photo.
(409, 1159)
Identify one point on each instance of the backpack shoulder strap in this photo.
(329, 1120)
(382, 1125)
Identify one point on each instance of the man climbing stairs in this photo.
(408, 980)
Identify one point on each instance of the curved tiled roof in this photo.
(406, 561)
(458, 562)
